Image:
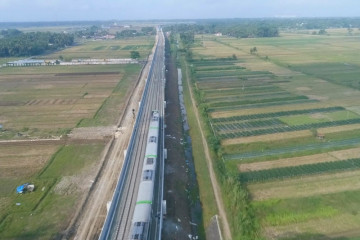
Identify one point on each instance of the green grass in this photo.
(44, 223)
(70, 159)
(301, 170)
(340, 73)
(276, 212)
(284, 218)
(324, 117)
(99, 48)
(44, 213)
(108, 113)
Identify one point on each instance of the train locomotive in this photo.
(143, 208)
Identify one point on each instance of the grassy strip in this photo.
(301, 170)
(281, 212)
(255, 101)
(297, 150)
(261, 105)
(287, 128)
(277, 114)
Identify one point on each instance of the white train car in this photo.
(142, 213)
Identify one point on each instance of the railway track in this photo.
(119, 219)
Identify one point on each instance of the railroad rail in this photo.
(118, 221)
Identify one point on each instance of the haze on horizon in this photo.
(67, 10)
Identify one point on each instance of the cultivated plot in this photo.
(287, 118)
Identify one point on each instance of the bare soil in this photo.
(92, 132)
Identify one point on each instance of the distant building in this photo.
(30, 62)
(109, 36)
(25, 62)
(219, 34)
(320, 136)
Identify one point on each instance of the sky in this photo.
(67, 10)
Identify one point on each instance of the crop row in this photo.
(250, 96)
(231, 67)
(249, 124)
(277, 114)
(243, 74)
(213, 63)
(216, 61)
(258, 132)
(307, 169)
(247, 90)
(254, 101)
(260, 105)
(230, 83)
(295, 149)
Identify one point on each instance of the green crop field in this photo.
(293, 83)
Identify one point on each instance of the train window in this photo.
(155, 118)
(148, 175)
(149, 161)
(152, 139)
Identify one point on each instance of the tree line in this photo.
(237, 29)
(14, 43)
(251, 28)
(134, 33)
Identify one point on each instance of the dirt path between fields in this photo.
(215, 184)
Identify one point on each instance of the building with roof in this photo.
(25, 63)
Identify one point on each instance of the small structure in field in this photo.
(320, 136)
(26, 187)
(25, 63)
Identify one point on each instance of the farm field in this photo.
(50, 101)
(59, 184)
(39, 106)
(287, 120)
(117, 48)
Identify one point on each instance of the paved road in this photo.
(118, 222)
